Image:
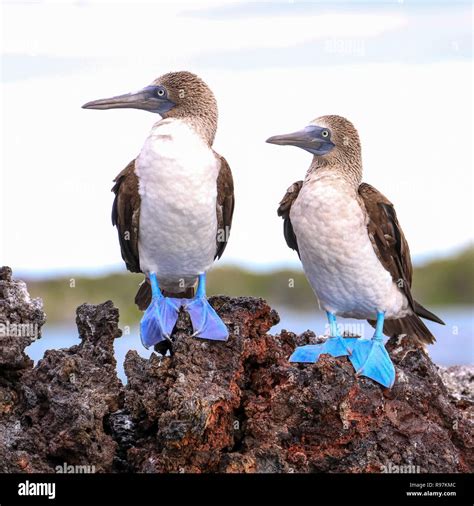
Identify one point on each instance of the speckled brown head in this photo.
(173, 95)
(343, 135)
(334, 142)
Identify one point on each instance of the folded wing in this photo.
(225, 205)
(284, 211)
(126, 215)
(392, 250)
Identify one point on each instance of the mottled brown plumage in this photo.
(194, 101)
(346, 159)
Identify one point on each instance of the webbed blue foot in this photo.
(335, 345)
(207, 324)
(370, 358)
(160, 316)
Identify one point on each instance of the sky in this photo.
(401, 71)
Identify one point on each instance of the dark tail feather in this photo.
(424, 313)
(143, 296)
(412, 326)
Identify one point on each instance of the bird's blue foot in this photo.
(370, 358)
(335, 345)
(160, 316)
(207, 324)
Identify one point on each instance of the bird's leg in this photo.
(335, 345)
(370, 358)
(155, 288)
(207, 324)
(378, 334)
(160, 316)
(332, 324)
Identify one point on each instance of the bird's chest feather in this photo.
(328, 220)
(336, 252)
(177, 173)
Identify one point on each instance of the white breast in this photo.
(177, 174)
(337, 255)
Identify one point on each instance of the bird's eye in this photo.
(160, 92)
(325, 133)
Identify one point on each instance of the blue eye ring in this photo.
(160, 92)
(325, 134)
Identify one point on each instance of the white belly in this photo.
(177, 175)
(337, 255)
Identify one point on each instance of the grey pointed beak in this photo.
(309, 139)
(302, 139)
(145, 99)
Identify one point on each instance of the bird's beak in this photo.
(145, 99)
(309, 139)
(302, 139)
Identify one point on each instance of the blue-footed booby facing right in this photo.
(173, 205)
(352, 248)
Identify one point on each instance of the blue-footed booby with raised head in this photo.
(173, 205)
(352, 248)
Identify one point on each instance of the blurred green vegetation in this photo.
(438, 283)
(447, 281)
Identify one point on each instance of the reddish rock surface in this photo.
(237, 406)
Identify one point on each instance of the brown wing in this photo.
(225, 205)
(392, 250)
(387, 238)
(284, 211)
(126, 215)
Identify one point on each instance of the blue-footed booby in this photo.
(173, 205)
(352, 248)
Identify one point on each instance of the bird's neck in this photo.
(204, 124)
(348, 170)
